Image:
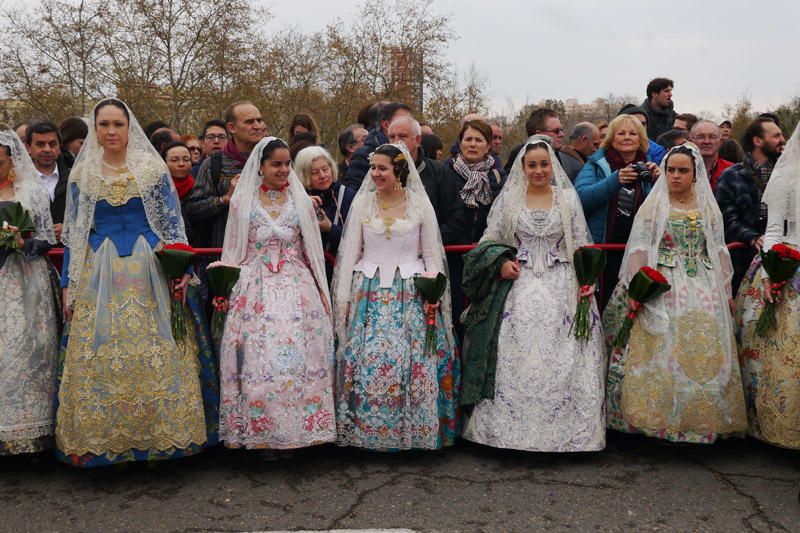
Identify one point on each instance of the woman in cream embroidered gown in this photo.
(390, 394)
(548, 385)
(28, 323)
(771, 365)
(678, 377)
(127, 390)
(277, 350)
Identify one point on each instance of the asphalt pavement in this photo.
(636, 484)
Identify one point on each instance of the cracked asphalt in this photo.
(635, 484)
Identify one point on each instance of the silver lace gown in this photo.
(549, 387)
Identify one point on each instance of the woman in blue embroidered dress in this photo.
(390, 394)
(127, 390)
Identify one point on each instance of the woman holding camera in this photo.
(612, 185)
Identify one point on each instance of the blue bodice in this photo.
(122, 224)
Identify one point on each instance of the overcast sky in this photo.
(716, 51)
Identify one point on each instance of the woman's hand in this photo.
(772, 291)
(325, 223)
(184, 283)
(510, 270)
(586, 291)
(316, 201)
(426, 306)
(627, 175)
(633, 305)
(66, 307)
(17, 237)
(654, 170)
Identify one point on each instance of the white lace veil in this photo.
(365, 205)
(161, 201)
(783, 188)
(504, 214)
(234, 249)
(29, 190)
(648, 229)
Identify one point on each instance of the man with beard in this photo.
(659, 107)
(740, 188)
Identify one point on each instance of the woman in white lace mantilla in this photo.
(548, 385)
(390, 393)
(276, 356)
(127, 390)
(678, 377)
(28, 323)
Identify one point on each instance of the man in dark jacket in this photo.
(739, 192)
(207, 202)
(439, 185)
(583, 142)
(43, 141)
(659, 107)
(359, 163)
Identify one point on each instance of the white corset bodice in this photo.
(400, 251)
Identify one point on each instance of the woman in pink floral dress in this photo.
(277, 353)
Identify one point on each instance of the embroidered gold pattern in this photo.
(697, 346)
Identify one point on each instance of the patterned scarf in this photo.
(476, 192)
(231, 151)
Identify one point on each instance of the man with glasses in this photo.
(542, 121)
(214, 137)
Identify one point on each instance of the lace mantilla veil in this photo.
(365, 205)
(234, 249)
(783, 188)
(29, 190)
(648, 229)
(504, 214)
(158, 194)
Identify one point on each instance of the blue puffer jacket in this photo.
(596, 186)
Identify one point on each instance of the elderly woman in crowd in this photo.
(318, 173)
(28, 324)
(195, 147)
(349, 140)
(613, 184)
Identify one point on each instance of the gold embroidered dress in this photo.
(127, 391)
(682, 384)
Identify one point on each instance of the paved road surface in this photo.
(635, 484)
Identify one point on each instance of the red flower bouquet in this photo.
(780, 263)
(175, 260)
(644, 286)
(589, 263)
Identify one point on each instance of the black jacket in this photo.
(59, 203)
(475, 219)
(442, 191)
(658, 121)
(359, 163)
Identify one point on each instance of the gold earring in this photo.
(398, 185)
(11, 176)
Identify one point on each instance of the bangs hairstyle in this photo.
(306, 157)
(616, 124)
(481, 126)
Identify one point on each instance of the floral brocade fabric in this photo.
(28, 352)
(549, 385)
(680, 385)
(771, 365)
(390, 394)
(276, 356)
(127, 390)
